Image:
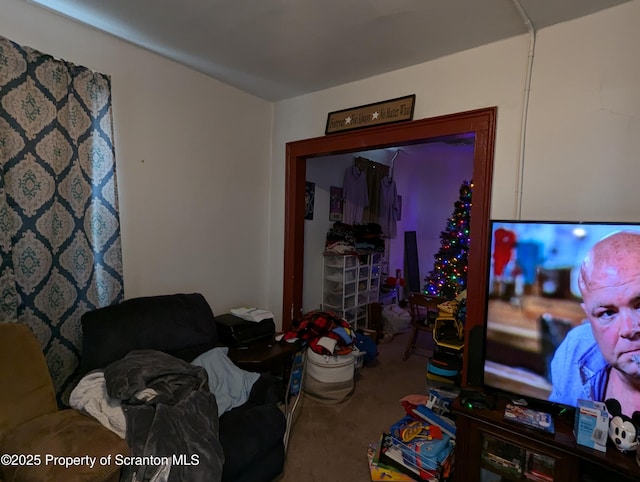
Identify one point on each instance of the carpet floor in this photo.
(329, 442)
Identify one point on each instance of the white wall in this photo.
(583, 146)
(466, 81)
(192, 158)
(582, 149)
(324, 172)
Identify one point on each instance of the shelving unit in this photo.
(350, 283)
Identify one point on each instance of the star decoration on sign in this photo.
(375, 115)
(348, 120)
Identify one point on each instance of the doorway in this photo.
(480, 123)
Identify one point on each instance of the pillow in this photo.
(230, 384)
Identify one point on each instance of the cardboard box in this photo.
(591, 426)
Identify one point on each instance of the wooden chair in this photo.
(420, 306)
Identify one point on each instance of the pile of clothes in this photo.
(325, 332)
(368, 238)
(343, 239)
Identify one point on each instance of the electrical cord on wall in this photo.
(525, 109)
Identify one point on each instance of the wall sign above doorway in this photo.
(376, 114)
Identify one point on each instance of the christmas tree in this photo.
(449, 274)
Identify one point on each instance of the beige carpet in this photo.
(329, 442)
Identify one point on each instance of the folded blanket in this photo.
(90, 396)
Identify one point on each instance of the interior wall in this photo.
(581, 151)
(194, 194)
(584, 121)
(429, 183)
(304, 117)
(324, 172)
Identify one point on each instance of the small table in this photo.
(263, 356)
(268, 356)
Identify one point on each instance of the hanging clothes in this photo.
(356, 196)
(374, 171)
(388, 207)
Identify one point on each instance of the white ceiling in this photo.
(277, 49)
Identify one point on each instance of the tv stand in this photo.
(486, 443)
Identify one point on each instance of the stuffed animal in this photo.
(623, 430)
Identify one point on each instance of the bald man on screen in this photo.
(600, 359)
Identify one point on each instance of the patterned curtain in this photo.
(59, 224)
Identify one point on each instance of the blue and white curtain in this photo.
(59, 223)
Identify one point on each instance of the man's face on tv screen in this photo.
(612, 305)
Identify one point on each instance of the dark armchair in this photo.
(182, 325)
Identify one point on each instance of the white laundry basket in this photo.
(329, 378)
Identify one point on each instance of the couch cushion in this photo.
(26, 390)
(64, 433)
(181, 325)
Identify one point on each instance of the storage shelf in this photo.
(351, 282)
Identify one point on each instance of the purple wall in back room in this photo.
(428, 181)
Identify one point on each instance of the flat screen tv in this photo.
(533, 299)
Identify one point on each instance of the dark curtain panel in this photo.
(375, 172)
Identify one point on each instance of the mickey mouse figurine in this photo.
(623, 430)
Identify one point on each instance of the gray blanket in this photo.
(172, 418)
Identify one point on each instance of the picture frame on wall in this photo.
(335, 203)
(309, 197)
